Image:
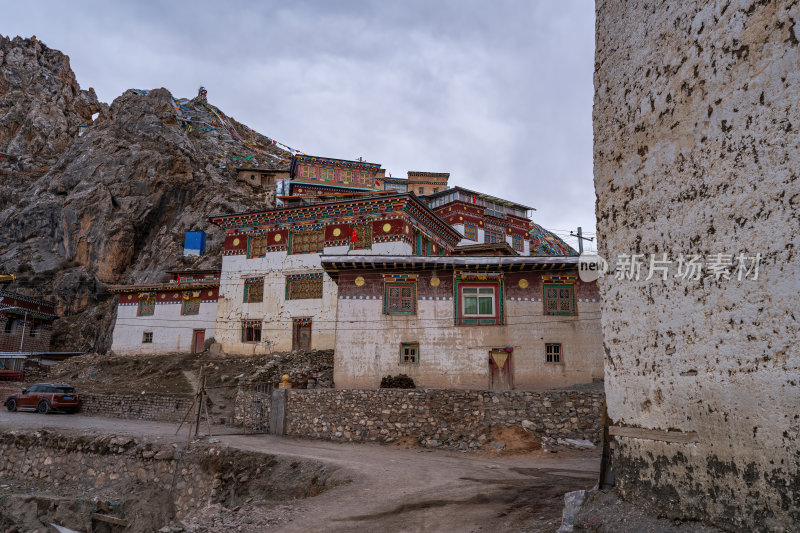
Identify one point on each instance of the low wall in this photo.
(147, 484)
(439, 417)
(139, 406)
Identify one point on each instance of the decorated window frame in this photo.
(558, 299)
(308, 241)
(147, 337)
(363, 237)
(517, 242)
(364, 179)
(493, 236)
(254, 290)
(346, 176)
(191, 303)
(251, 331)
(307, 172)
(400, 298)
(471, 232)
(257, 246)
(469, 293)
(304, 286)
(147, 304)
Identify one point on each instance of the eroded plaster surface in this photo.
(696, 117)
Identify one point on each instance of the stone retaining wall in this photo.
(142, 407)
(438, 417)
(139, 406)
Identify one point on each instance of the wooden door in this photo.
(302, 335)
(500, 367)
(199, 339)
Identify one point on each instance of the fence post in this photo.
(277, 415)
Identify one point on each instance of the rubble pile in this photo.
(306, 369)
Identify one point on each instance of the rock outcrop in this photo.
(110, 205)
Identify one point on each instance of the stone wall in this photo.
(142, 407)
(438, 417)
(149, 484)
(139, 406)
(696, 132)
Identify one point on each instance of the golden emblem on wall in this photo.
(435, 281)
(336, 232)
(460, 218)
(130, 297)
(359, 281)
(277, 237)
(523, 283)
(211, 293)
(236, 241)
(387, 228)
(406, 229)
(163, 296)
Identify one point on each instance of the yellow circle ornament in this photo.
(435, 282)
(211, 293)
(163, 296)
(359, 281)
(337, 232)
(460, 218)
(236, 241)
(387, 228)
(523, 283)
(278, 237)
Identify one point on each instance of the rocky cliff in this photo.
(90, 202)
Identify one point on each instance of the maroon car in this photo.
(45, 398)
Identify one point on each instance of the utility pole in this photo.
(581, 238)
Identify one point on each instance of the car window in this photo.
(64, 390)
(35, 388)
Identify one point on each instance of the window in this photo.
(347, 176)
(363, 237)
(400, 299)
(308, 171)
(147, 337)
(147, 305)
(435, 189)
(559, 300)
(10, 322)
(254, 290)
(492, 236)
(302, 288)
(191, 305)
(311, 241)
(251, 331)
(327, 174)
(258, 246)
(517, 243)
(552, 352)
(36, 327)
(409, 353)
(422, 190)
(365, 181)
(471, 232)
(477, 301)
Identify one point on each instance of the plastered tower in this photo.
(696, 120)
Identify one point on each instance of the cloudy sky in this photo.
(497, 93)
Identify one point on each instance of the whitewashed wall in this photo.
(172, 332)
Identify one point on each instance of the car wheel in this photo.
(11, 405)
(43, 407)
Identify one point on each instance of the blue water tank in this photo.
(195, 243)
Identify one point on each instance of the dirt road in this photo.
(392, 489)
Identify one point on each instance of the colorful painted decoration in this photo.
(545, 243)
(236, 241)
(337, 232)
(359, 281)
(387, 228)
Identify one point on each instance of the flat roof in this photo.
(483, 196)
